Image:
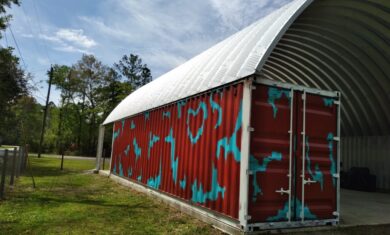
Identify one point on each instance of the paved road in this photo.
(70, 157)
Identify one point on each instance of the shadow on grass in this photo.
(49, 171)
(55, 200)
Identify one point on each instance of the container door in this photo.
(316, 162)
(270, 154)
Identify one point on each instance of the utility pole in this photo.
(45, 113)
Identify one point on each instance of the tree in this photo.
(132, 68)
(4, 19)
(91, 73)
(13, 84)
(27, 113)
(13, 81)
(113, 92)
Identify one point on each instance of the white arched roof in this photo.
(236, 57)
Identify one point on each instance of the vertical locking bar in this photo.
(338, 154)
(290, 152)
(303, 155)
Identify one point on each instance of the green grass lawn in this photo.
(74, 201)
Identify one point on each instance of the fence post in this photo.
(2, 181)
(21, 156)
(25, 157)
(18, 162)
(13, 168)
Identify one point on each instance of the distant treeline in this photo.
(89, 91)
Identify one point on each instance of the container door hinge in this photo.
(250, 129)
(253, 87)
(336, 175)
(247, 217)
(336, 213)
(249, 172)
(336, 138)
(336, 102)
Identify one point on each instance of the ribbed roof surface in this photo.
(236, 57)
(341, 45)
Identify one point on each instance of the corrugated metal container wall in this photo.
(368, 151)
(190, 149)
(275, 156)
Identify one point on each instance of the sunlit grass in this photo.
(75, 201)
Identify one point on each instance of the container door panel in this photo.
(316, 158)
(269, 153)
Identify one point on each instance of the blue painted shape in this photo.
(147, 116)
(132, 125)
(123, 124)
(198, 194)
(215, 106)
(114, 169)
(166, 114)
(282, 213)
(328, 102)
(229, 144)
(307, 214)
(155, 182)
(139, 178)
(179, 105)
(256, 188)
(192, 112)
(137, 149)
(332, 161)
(255, 167)
(174, 161)
(276, 94)
(116, 134)
(183, 183)
(120, 167)
(317, 175)
(127, 149)
(152, 140)
(129, 172)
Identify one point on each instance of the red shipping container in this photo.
(263, 155)
(189, 149)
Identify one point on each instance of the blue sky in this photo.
(165, 33)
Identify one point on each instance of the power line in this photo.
(6, 39)
(17, 46)
(40, 30)
(29, 23)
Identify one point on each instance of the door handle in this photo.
(309, 181)
(283, 191)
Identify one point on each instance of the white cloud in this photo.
(27, 35)
(68, 48)
(164, 33)
(167, 33)
(236, 14)
(69, 40)
(75, 36)
(43, 61)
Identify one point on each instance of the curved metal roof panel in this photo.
(236, 57)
